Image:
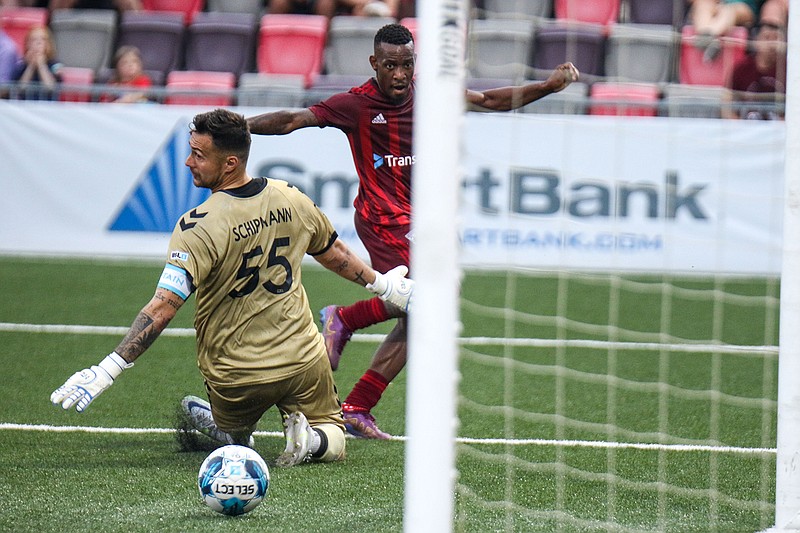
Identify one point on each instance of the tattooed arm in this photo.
(392, 286)
(86, 385)
(341, 260)
(149, 323)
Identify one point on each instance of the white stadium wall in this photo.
(544, 191)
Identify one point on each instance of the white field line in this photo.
(462, 440)
(189, 332)
(467, 341)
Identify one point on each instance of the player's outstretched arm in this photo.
(282, 122)
(508, 98)
(84, 386)
(392, 287)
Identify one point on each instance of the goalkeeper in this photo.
(377, 118)
(257, 344)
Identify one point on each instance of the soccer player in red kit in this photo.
(377, 118)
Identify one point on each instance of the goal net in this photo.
(617, 361)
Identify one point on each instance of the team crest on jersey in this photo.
(180, 256)
(164, 190)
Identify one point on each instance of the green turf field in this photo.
(139, 480)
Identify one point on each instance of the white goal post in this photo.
(787, 481)
(433, 323)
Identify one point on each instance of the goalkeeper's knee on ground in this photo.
(332, 447)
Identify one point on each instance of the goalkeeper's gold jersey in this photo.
(242, 251)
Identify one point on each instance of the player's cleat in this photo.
(362, 425)
(298, 440)
(198, 412)
(335, 333)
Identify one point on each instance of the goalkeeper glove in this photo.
(89, 383)
(394, 287)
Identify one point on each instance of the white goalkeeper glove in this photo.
(89, 383)
(394, 287)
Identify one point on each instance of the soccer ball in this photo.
(233, 480)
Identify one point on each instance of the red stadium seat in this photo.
(292, 44)
(694, 70)
(17, 21)
(192, 87)
(188, 7)
(624, 99)
(71, 79)
(412, 24)
(593, 11)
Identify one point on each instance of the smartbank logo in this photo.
(164, 190)
(531, 192)
(392, 160)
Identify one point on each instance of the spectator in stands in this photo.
(760, 77)
(302, 7)
(120, 5)
(369, 8)
(8, 57)
(128, 74)
(37, 73)
(714, 18)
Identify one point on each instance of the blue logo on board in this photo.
(164, 191)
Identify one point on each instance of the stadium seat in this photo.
(221, 42)
(329, 84)
(271, 90)
(693, 101)
(158, 36)
(188, 8)
(592, 11)
(253, 7)
(694, 70)
(71, 79)
(191, 87)
(657, 12)
(499, 48)
(574, 100)
(84, 37)
(556, 42)
(641, 53)
(517, 9)
(625, 99)
(350, 43)
(292, 44)
(17, 21)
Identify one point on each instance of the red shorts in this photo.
(387, 246)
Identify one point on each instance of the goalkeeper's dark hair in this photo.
(228, 130)
(393, 34)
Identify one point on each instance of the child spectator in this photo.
(37, 73)
(128, 74)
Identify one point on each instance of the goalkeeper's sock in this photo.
(363, 314)
(366, 393)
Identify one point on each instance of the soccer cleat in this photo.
(298, 440)
(198, 412)
(335, 333)
(362, 425)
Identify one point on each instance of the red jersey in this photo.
(380, 136)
